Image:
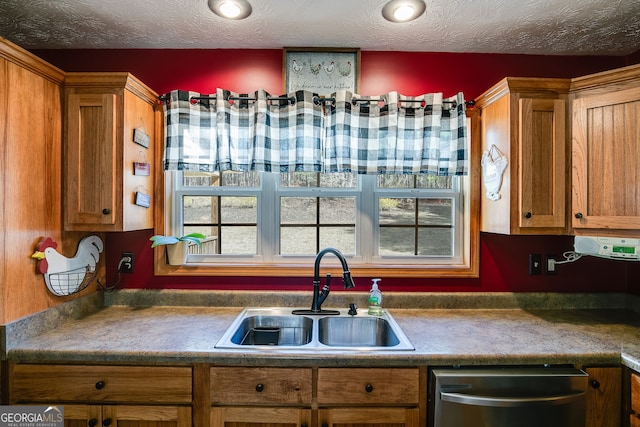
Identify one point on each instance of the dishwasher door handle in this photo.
(509, 402)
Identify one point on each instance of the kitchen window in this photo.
(378, 221)
(272, 217)
(263, 219)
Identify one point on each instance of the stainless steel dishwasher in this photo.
(507, 397)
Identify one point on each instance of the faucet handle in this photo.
(353, 309)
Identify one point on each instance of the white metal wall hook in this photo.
(494, 163)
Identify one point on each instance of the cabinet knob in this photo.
(595, 384)
(106, 211)
(578, 215)
(92, 422)
(100, 385)
(259, 388)
(368, 388)
(106, 422)
(528, 215)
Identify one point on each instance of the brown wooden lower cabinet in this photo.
(634, 416)
(604, 397)
(260, 417)
(369, 417)
(126, 416)
(107, 396)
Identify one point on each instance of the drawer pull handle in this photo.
(595, 384)
(259, 388)
(106, 422)
(325, 425)
(92, 422)
(100, 385)
(303, 425)
(106, 211)
(528, 215)
(368, 388)
(579, 215)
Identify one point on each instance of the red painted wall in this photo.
(503, 259)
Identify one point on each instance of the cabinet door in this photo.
(146, 416)
(259, 417)
(129, 416)
(90, 150)
(542, 163)
(604, 397)
(634, 417)
(606, 161)
(369, 417)
(82, 415)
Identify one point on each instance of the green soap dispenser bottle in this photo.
(375, 299)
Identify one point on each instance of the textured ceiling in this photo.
(558, 27)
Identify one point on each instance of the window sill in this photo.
(161, 268)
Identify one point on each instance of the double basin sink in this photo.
(279, 329)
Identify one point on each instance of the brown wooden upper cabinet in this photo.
(109, 143)
(606, 152)
(523, 122)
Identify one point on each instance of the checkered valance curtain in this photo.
(389, 134)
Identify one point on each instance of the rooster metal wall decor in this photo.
(65, 276)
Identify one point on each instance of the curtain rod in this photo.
(316, 100)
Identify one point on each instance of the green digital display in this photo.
(624, 249)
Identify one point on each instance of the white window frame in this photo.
(413, 267)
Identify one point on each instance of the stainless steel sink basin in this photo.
(356, 332)
(273, 330)
(277, 329)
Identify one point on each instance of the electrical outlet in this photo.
(535, 264)
(126, 262)
(550, 264)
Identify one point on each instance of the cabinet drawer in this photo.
(337, 386)
(238, 386)
(82, 383)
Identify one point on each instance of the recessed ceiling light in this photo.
(403, 10)
(230, 9)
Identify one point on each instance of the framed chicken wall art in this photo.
(320, 70)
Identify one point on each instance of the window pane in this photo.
(209, 243)
(435, 212)
(298, 210)
(397, 211)
(239, 240)
(429, 182)
(239, 210)
(338, 180)
(299, 179)
(341, 238)
(200, 210)
(435, 241)
(240, 179)
(298, 241)
(397, 241)
(338, 210)
(314, 179)
(200, 179)
(396, 181)
(433, 182)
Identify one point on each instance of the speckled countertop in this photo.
(183, 327)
